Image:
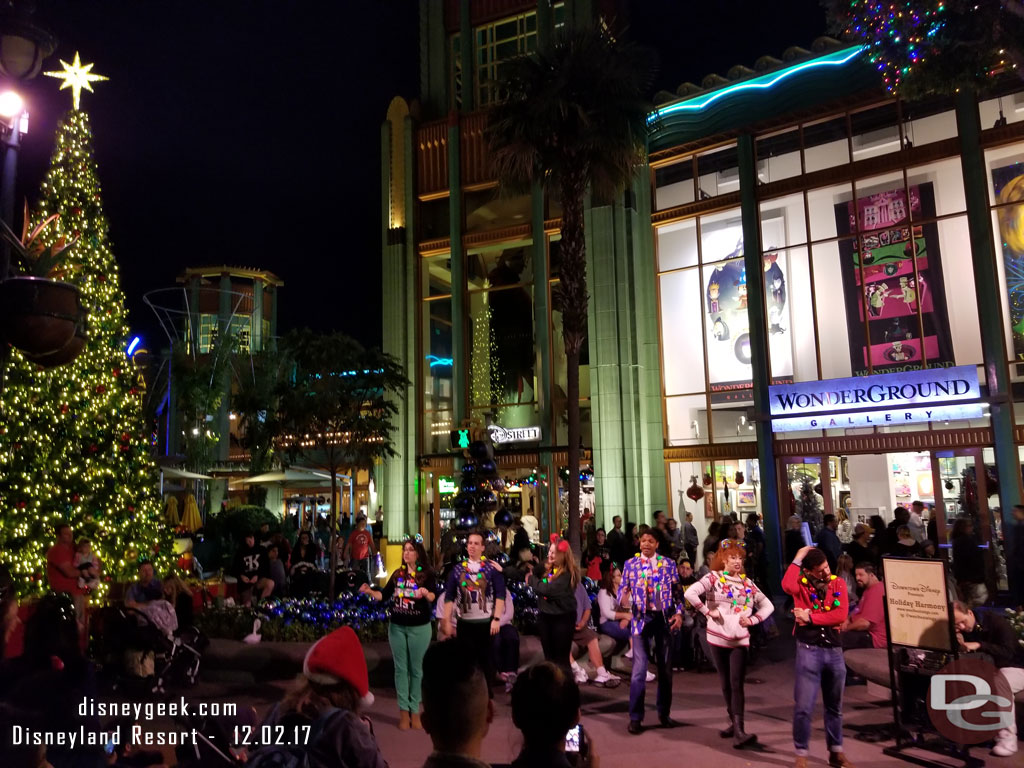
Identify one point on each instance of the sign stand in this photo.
(918, 621)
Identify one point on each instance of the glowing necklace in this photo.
(820, 603)
(737, 592)
(403, 577)
(551, 576)
(649, 573)
(468, 574)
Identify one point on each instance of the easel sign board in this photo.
(917, 603)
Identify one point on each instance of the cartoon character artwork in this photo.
(908, 290)
(877, 293)
(775, 285)
(714, 291)
(741, 292)
(900, 352)
(897, 332)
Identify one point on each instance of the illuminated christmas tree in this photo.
(73, 439)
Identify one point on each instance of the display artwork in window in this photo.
(1008, 185)
(893, 283)
(727, 323)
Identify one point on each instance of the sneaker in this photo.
(510, 680)
(650, 677)
(604, 678)
(1005, 748)
(581, 675)
(628, 654)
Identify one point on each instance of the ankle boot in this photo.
(403, 721)
(741, 738)
(726, 733)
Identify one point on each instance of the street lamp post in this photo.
(12, 110)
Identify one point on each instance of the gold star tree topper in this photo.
(76, 77)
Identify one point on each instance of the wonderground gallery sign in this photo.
(934, 394)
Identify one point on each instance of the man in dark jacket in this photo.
(828, 541)
(993, 636)
(616, 541)
(252, 569)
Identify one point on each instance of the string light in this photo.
(73, 439)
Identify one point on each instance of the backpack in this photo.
(291, 755)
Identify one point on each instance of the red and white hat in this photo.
(336, 657)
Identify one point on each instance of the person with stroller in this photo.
(328, 697)
(146, 589)
(410, 590)
(252, 569)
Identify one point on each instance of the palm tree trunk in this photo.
(573, 290)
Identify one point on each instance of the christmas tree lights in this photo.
(73, 442)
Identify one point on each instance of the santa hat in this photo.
(336, 657)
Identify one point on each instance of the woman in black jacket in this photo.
(555, 586)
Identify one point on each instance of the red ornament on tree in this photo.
(100, 388)
(64, 408)
(694, 492)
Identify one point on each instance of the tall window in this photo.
(437, 365)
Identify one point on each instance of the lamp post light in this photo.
(15, 122)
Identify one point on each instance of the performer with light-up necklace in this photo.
(820, 607)
(649, 578)
(555, 584)
(410, 590)
(734, 604)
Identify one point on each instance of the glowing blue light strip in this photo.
(131, 347)
(765, 81)
(435, 360)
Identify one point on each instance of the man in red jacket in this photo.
(821, 606)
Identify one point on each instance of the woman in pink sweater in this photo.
(732, 604)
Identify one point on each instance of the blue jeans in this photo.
(612, 629)
(818, 667)
(656, 637)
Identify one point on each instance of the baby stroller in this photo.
(152, 648)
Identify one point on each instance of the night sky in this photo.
(247, 132)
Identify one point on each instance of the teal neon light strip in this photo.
(836, 59)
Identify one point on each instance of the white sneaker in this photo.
(628, 654)
(1005, 748)
(603, 678)
(581, 675)
(650, 677)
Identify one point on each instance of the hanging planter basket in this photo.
(39, 316)
(65, 354)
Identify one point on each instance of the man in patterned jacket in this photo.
(647, 581)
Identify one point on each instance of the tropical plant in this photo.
(257, 392)
(573, 117)
(337, 411)
(33, 257)
(198, 382)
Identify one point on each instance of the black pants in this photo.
(856, 638)
(506, 649)
(556, 631)
(731, 664)
(476, 637)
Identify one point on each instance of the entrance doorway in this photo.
(855, 487)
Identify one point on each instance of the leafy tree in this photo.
(255, 399)
(198, 383)
(573, 117)
(337, 409)
(935, 46)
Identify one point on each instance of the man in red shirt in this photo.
(865, 627)
(61, 571)
(820, 606)
(359, 548)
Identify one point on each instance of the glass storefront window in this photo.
(726, 325)
(674, 184)
(730, 486)
(438, 365)
(832, 319)
(501, 266)
(779, 155)
(500, 339)
(436, 276)
(687, 419)
(718, 172)
(1006, 195)
(923, 124)
(790, 315)
(437, 427)
(876, 131)
(783, 222)
(821, 208)
(681, 329)
(994, 111)
(721, 236)
(677, 245)
(947, 182)
(732, 424)
(826, 144)
(489, 209)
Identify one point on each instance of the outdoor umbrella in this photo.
(191, 520)
(172, 512)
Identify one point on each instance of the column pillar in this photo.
(543, 340)
(986, 287)
(223, 329)
(758, 322)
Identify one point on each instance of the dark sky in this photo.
(247, 131)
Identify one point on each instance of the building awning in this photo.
(182, 474)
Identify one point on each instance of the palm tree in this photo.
(573, 117)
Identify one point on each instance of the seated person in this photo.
(146, 589)
(179, 594)
(252, 569)
(505, 647)
(585, 637)
(277, 574)
(992, 635)
(865, 626)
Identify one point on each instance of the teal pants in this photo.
(408, 645)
